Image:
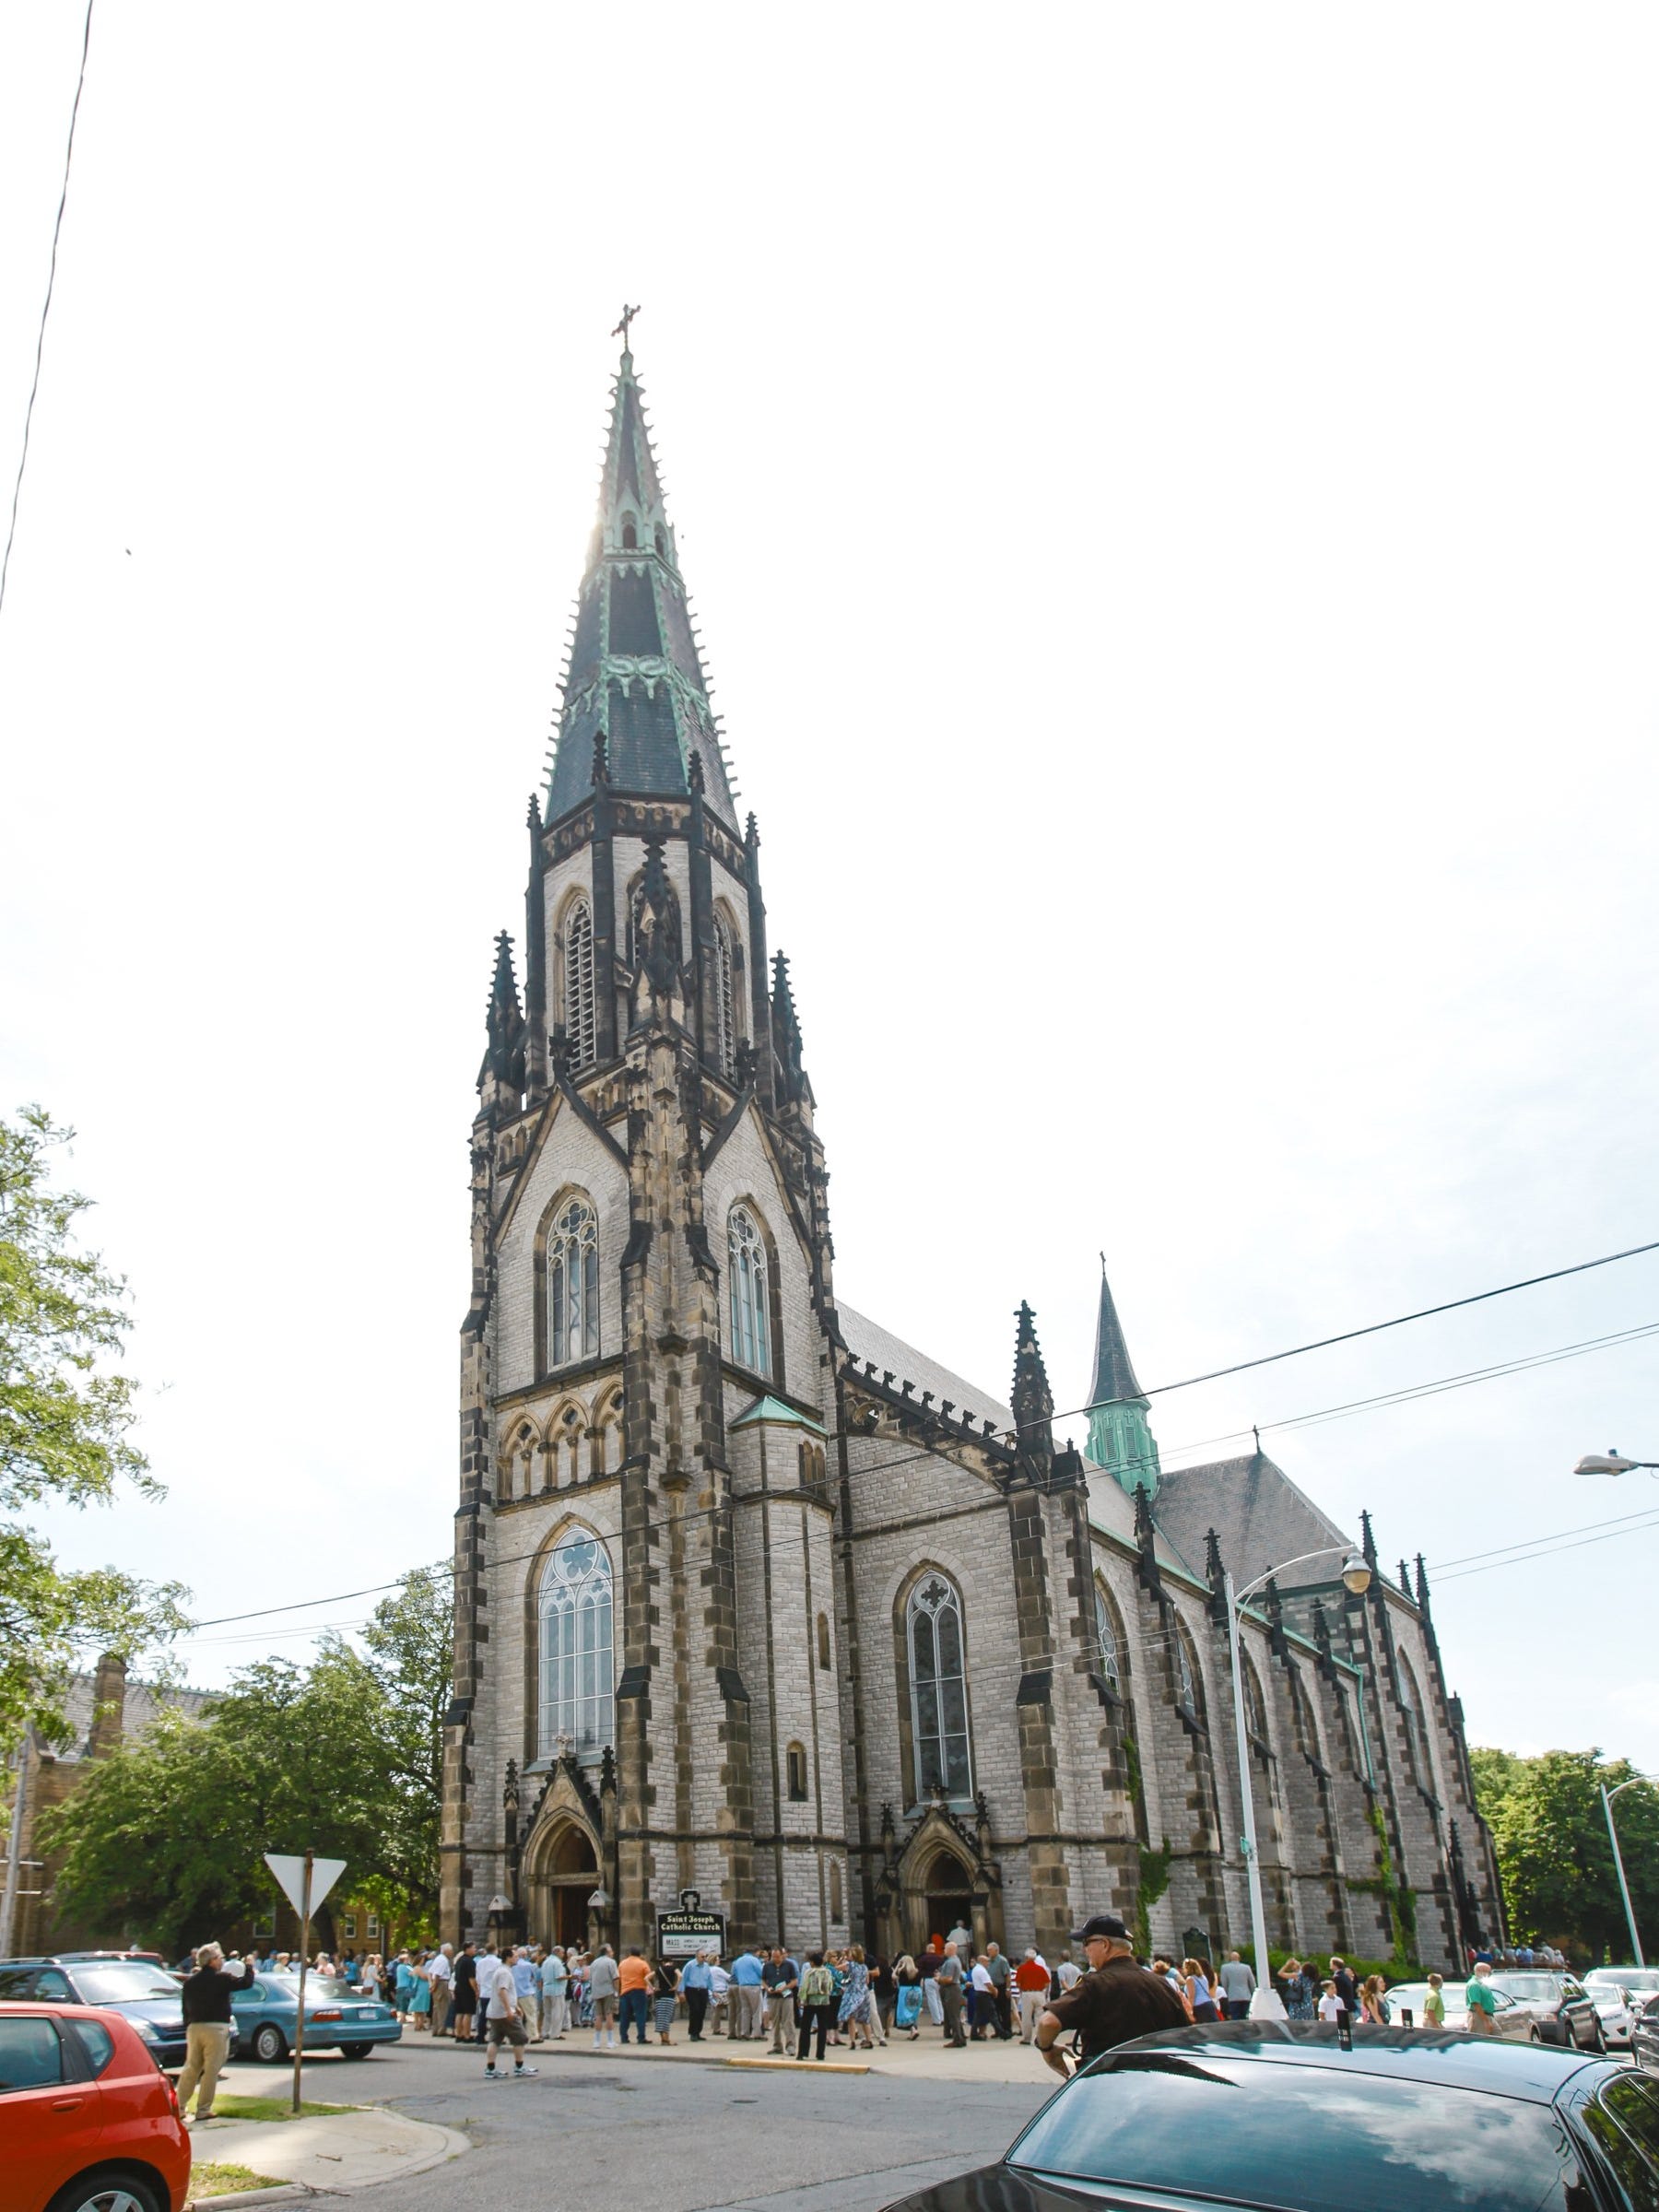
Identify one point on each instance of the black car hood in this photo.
(998, 2188)
(160, 2012)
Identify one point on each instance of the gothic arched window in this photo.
(578, 1655)
(1106, 1638)
(1188, 1695)
(751, 1345)
(572, 1283)
(630, 534)
(938, 1688)
(1411, 1713)
(579, 983)
(726, 1020)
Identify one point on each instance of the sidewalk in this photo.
(339, 2151)
(931, 2059)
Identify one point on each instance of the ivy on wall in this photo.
(1154, 1880)
(1400, 1900)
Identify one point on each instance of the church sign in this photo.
(683, 1934)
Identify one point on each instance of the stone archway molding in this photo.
(903, 1883)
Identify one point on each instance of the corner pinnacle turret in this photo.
(634, 674)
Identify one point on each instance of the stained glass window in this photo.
(1106, 1637)
(751, 1345)
(939, 1690)
(578, 1656)
(573, 1285)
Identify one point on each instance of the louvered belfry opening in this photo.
(579, 983)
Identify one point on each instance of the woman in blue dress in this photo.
(1298, 1991)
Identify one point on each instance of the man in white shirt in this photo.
(555, 1981)
(1069, 1973)
(721, 2008)
(487, 1964)
(503, 2023)
(985, 1999)
(440, 1969)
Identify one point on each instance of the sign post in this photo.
(684, 1934)
(304, 1882)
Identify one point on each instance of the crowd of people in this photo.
(516, 1996)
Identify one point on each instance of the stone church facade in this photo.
(755, 1600)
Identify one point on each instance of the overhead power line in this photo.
(1267, 1359)
(46, 304)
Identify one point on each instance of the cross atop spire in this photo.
(634, 674)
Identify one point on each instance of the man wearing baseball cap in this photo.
(1116, 2001)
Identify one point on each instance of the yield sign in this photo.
(290, 1871)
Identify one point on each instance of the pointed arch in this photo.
(575, 1645)
(1410, 1699)
(566, 1430)
(933, 1630)
(578, 1007)
(1111, 1645)
(567, 1282)
(753, 1312)
(607, 1434)
(517, 1463)
(1188, 1676)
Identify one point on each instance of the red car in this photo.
(88, 2121)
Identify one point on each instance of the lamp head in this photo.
(1356, 1574)
(1603, 1463)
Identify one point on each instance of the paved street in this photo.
(611, 2131)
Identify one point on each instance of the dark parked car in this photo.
(1557, 2008)
(146, 1996)
(1644, 2037)
(1280, 2117)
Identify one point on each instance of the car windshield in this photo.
(1316, 2137)
(123, 1981)
(317, 1986)
(1529, 1985)
(1644, 1979)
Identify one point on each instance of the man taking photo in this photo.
(1116, 2001)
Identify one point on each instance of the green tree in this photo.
(165, 1838)
(65, 1414)
(1554, 1857)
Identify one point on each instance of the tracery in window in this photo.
(1106, 1638)
(751, 1330)
(1188, 1695)
(938, 1688)
(572, 1283)
(1410, 1713)
(726, 1018)
(579, 1015)
(578, 1655)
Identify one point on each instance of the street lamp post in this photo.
(1267, 2004)
(1608, 1796)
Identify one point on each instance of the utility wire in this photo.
(46, 305)
(1288, 1421)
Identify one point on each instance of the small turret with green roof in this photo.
(1120, 1435)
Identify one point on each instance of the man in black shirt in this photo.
(466, 1992)
(1114, 2003)
(206, 2009)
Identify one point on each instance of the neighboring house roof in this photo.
(140, 1705)
(1260, 1517)
(868, 1340)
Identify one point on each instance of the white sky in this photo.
(1170, 498)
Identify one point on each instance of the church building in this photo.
(756, 1602)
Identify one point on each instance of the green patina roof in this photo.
(634, 670)
(769, 1409)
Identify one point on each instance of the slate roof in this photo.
(140, 1706)
(1113, 1373)
(1260, 1516)
(868, 1340)
(634, 670)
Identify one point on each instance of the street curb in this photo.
(287, 2193)
(785, 2064)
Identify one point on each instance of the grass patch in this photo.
(272, 2108)
(217, 2179)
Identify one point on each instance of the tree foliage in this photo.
(1554, 1857)
(65, 1415)
(164, 1840)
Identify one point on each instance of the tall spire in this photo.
(1120, 1435)
(634, 672)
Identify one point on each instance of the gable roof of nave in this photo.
(868, 1339)
(1259, 1516)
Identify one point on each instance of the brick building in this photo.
(753, 1599)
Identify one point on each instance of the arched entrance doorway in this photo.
(943, 1898)
(567, 1874)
